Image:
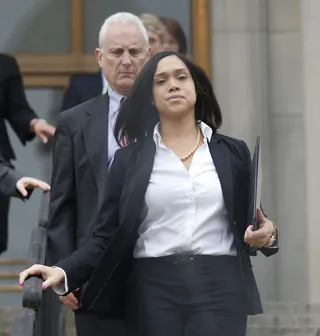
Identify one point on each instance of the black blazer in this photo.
(82, 87)
(13, 106)
(79, 167)
(107, 257)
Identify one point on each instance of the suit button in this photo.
(234, 223)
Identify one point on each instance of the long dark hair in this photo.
(138, 115)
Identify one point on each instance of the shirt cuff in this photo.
(62, 288)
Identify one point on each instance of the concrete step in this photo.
(13, 262)
(10, 292)
(287, 314)
(7, 288)
(6, 320)
(12, 275)
(283, 331)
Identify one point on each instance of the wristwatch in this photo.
(273, 238)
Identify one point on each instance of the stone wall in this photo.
(266, 73)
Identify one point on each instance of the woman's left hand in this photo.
(261, 236)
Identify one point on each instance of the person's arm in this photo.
(79, 266)
(76, 270)
(8, 179)
(17, 111)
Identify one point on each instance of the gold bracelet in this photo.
(273, 238)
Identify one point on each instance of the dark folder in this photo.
(255, 183)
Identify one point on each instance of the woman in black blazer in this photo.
(171, 240)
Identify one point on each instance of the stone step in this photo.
(9, 275)
(285, 314)
(13, 262)
(6, 320)
(10, 288)
(283, 331)
(5, 275)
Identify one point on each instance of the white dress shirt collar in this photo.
(205, 129)
(115, 99)
(104, 83)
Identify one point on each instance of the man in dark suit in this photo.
(83, 87)
(15, 109)
(83, 148)
(15, 184)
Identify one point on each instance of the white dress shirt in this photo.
(114, 105)
(105, 84)
(184, 211)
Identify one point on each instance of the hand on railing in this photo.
(32, 287)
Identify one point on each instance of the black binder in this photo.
(255, 184)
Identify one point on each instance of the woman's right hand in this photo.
(52, 276)
(29, 182)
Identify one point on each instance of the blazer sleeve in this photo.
(267, 251)
(62, 206)
(8, 181)
(80, 264)
(71, 98)
(17, 110)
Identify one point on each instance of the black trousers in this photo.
(187, 296)
(4, 218)
(91, 324)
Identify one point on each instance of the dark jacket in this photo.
(13, 106)
(79, 168)
(106, 259)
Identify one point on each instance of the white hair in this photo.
(122, 17)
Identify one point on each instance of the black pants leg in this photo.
(4, 214)
(152, 308)
(216, 324)
(90, 324)
(191, 296)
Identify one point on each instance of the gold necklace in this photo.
(188, 155)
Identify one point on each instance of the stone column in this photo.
(288, 146)
(241, 79)
(310, 10)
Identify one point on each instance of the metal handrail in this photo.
(32, 289)
(25, 320)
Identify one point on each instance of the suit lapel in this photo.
(95, 132)
(138, 181)
(222, 163)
